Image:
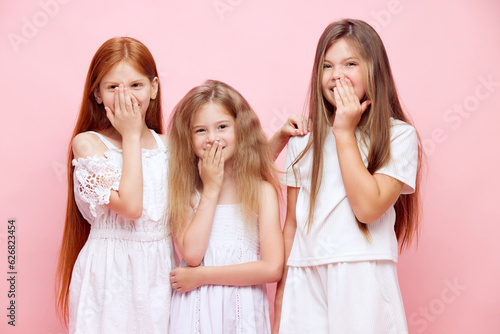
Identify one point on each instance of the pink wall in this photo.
(445, 59)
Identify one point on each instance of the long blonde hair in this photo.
(252, 162)
(375, 125)
(92, 117)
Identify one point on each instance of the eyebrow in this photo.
(345, 59)
(352, 58)
(116, 82)
(216, 123)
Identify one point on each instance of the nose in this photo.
(337, 73)
(211, 138)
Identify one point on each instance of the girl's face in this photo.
(137, 84)
(341, 61)
(210, 123)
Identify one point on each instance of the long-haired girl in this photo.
(223, 213)
(352, 193)
(116, 255)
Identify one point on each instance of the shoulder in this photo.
(297, 144)
(164, 139)
(269, 205)
(398, 126)
(299, 140)
(87, 144)
(268, 191)
(266, 186)
(402, 130)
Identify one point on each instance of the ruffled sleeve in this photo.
(94, 178)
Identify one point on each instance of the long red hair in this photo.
(92, 117)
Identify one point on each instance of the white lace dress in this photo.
(216, 309)
(120, 281)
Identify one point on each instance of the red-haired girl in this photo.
(223, 213)
(116, 254)
(352, 193)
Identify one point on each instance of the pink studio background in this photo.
(445, 59)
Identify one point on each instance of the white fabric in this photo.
(216, 309)
(343, 298)
(334, 235)
(120, 281)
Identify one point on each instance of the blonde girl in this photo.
(223, 213)
(352, 193)
(116, 254)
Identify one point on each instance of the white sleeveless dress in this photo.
(120, 281)
(217, 309)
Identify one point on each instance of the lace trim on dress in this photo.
(238, 312)
(151, 153)
(197, 311)
(96, 177)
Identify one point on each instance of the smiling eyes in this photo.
(220, 127)
(348, 64)
(134, 85)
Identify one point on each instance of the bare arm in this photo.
(126, 119)
(164, 139)
(193, 240)
(295, 125)
(369, 195)
(288, 236)
(267, 269)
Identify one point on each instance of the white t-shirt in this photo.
(334, 235)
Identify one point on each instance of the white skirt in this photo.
(220, 309)
(345, 298)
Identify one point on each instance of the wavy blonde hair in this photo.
(252, 162)
(375, 125)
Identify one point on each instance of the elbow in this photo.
(367, 220)
(275, 273)
(131, 214)
(367, 216)
(191, 251)
(134, 213)
(365, 211)
(192, 260)
(131, 210)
